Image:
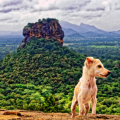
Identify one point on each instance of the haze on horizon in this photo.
(104, 14)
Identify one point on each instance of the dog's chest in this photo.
(87, 94)
(90, 91)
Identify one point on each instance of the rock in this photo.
(46, 28)
(38, 115)
(12, 113)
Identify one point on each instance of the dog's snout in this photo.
(109, 72)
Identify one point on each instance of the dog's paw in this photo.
(72, 116)
(82, 113)
(93, 114)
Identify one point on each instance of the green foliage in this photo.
(42, 77)
(41, 63)
(8, 45)
(29, 25)
(31, 98)
(107, 50)
(49, 19)
(98, 47)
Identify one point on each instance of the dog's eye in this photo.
(99, 66)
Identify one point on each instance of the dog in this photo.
(86, 89)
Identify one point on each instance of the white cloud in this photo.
(106, 2)
(15, 14)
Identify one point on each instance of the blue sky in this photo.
(104, 14)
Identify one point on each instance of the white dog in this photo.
(86, 88)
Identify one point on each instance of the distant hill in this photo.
(71, 33)
(67, 25)
(75, 35)
(91, 28)
(83, 28)
(70, 29)
(88, 30)
(118, 32)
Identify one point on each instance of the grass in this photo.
(66, 44)
(103, 46)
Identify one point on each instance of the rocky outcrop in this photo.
(38, 115)
(46, 28)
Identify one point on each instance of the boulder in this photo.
(46, 28)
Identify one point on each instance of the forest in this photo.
(9, 44)
(42, 76)
(97, 47)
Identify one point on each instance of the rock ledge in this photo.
(38, 115)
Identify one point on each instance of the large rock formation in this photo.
(46, 28)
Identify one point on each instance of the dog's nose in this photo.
(109, 72)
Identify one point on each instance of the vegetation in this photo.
(29, 25)
(40, 63)
(104, 48)
(42, 76)
(9, 44)
(107, 50)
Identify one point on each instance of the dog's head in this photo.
(96, 68)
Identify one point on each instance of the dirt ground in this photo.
(38, 115)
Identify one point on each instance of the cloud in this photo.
(106, 2)
(14, 21)
(58, 4)
(96, 9)
(50, 8)
(9, 10)
(92, 16)
(4, 19)
(5, 3)
(117, 6)
(6, 11)
(17, 13)
(73, 5)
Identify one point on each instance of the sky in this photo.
(104, 14)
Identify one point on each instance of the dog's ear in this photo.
(88, 61)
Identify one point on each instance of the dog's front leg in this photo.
(80, 105)
(94, 101)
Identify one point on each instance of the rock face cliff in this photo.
(46, 28)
